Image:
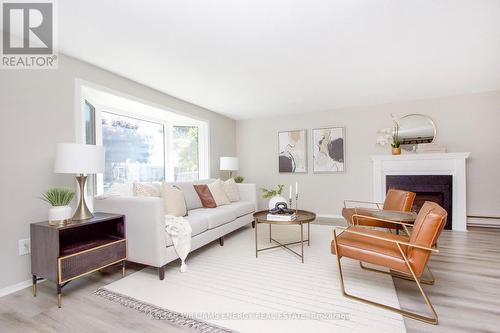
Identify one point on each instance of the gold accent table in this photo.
(303, 217)
(394, 215)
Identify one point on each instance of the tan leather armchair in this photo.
(396, 200)
(406, 257)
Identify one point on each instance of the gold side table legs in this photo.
(256, 248)
(302, 241)
(35, 279)
(309, 234)
(284, 245)
(59, 295)
(60, 286)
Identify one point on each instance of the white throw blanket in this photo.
(180, 230)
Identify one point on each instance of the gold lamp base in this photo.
(82, 211)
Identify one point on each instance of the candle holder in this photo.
(290, 203)
(296, 203)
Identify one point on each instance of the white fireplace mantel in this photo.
(426, 164)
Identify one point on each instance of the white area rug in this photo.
(230, 288)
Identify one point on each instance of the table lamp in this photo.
(229, 164)
(82, 160)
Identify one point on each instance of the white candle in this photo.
(290, 194)
(296, 188)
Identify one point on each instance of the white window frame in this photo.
(161, 115)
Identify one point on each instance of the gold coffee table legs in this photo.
(284, 245)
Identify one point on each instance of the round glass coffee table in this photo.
(303, 217)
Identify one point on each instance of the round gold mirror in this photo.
(416, 128)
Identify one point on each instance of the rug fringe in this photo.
(158, 313)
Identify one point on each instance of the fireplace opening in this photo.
(422, 197)
(435, 188)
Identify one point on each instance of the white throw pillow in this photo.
(231, 190)
(174, 201)
(217, 190)
(145, 190)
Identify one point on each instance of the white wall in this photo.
(464, 123)
(37, 110)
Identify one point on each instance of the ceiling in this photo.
(258, 58)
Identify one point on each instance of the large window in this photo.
(135, 150)
(143, 142)
(90, 139)
(185, 153)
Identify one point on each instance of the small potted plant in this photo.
(239, 179)
(59, 198)
(274, 196)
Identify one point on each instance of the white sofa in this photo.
(148, 242)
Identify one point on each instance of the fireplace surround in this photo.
(451, 164)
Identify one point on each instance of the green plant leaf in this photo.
(58, 196)
(267, 194)
(239, 179)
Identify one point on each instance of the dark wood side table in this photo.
(63, 253)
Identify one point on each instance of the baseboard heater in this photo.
(484, 225)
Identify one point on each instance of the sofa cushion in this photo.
(146, 190)
(198, 221)
(241, 207)
(231, 190)
(218, 193)
(206, 197)
(216, 216)
(174, 201)
(192, 199)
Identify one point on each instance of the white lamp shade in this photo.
(79, 158)
(229, 163)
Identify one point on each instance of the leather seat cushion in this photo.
(347, 213)
(371, 250)
(399, 200)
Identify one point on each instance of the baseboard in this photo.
(330, 216)
(484, 225)
(15, 287)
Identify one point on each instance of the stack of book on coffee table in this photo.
(281, 217)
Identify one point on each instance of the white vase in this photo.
(274, 200)
(59, 215)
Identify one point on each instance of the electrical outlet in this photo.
(24, 247)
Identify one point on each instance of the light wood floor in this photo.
(466, 296)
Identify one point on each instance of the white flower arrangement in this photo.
(389, 136)
(385, 136)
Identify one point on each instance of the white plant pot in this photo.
(274, 200)
(59, 215)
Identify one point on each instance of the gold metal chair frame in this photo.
(431, 320)
(378, 204)
(395, 274)
(405, 226)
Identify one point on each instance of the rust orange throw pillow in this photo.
(207, 200)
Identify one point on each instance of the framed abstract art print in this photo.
(292, 148)
(328, 150)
